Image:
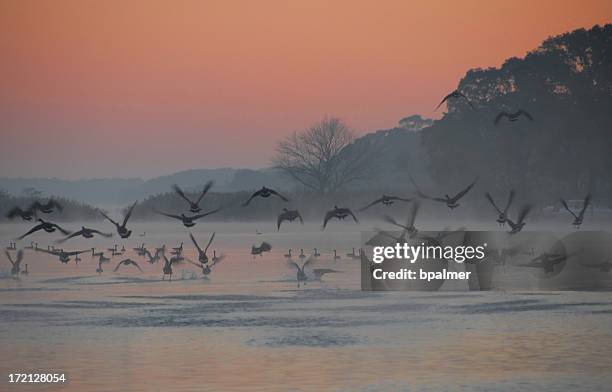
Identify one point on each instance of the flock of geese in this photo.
(206, 262)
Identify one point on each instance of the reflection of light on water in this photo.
(249, 327)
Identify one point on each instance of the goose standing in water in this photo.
(288, 255)
(520, 222)
(336, 257)
(386, 201)
(99, 270)
(16, 264)
(188, 221)
(301, 274)
(215, 257)
(86, 233)
(578, 218)
(25, 271)
(177, 251)
(455, 95)
(302, 255)
(46, 226)
(194, 206)
(127, 262)
(12, 246)
(33, 246)
(48, 207)
(503, 214)
(512, 117)
(340, 214)
(352, 255)
(141, 250)
(25, 215)
(316, 252)
(451, 202)
(265, 193)
(288, 215)
(121, 228)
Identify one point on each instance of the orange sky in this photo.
(127, 88)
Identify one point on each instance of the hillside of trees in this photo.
(566, 85)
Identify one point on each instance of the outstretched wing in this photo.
(254, 195)
(587, 202)
(299, 216)
(32, 230)
(169, 215)
(292, 264)
(463, 192)
(64, 231)
(413, 214)
(499, 117)
(348, 211)
(205, 214)
(490, 199)
(212, 237)
(108, 218)
(307, 262)
(510, 199)
(135, 264)
(281, 217)
(328, 216)
(129, 213)
(524, 113)
(523, 213)
(180, 192)
(194, 263)
(564, 204)
(8, 256)
(207, 187)
(443, 100)
(15, 211)
(195, 243)
(75, 234)
(371, 204)
(272, 191)
(107, 235)
(392, 221)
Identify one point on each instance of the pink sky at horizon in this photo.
(141, 89)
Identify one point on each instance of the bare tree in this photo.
(323, 157)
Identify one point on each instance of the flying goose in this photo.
(188, 221)
(64, 256)
(520, 222)
(16, 264)
(264, 192)
(455, 95)
(202, 256)
(193, 206)
(338, 213)
(121, 229)
(46, 226)
(385, 200)
(512, 116)
(25, 215)
(503, 214)
(301, 274)
(288, 215)
(167, 269)
(127, 262)
(451, 202)
(578, 218)
(86, 233)
(408, 228)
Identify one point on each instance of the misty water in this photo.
(249, 327)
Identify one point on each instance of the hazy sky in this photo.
(126, 88)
